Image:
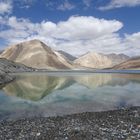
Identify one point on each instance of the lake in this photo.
(52, 94)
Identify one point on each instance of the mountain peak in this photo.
(93, 60)
(36, 54)
(32, 42)
(100, 60)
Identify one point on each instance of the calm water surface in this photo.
(54, 94)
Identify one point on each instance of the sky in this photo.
(74, 26)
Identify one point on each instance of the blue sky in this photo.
(75, 26)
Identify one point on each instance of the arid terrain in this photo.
(37, 54)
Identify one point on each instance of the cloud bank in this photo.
(77, 35)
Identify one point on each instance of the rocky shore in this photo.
(7, 67)
(5, 78)
(111, 125)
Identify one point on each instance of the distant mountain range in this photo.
(93, 60)
(99, 60)
(133, 63)
(117, 58)
(38, 55)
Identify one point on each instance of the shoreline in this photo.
(10, 74)
(6, 78)
(82, 71)
(117, 124)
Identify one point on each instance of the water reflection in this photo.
(47, 95)
(35, 87)
(94, 81)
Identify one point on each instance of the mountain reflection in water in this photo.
(60, 94)
(35, 87)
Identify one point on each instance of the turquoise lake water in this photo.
(52, 94)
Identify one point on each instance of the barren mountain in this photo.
(93, 60)
(117, 58)
(133, 63)
(36, 54)
(99, 60)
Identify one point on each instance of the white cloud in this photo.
(84, 28)
(134, 39)
(77, 35)
(120, 3)
(17, 29)
(66, 6)
(5, 7)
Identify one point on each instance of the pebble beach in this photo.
(122, 124)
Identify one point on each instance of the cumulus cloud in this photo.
(16, 29)
(84, 28)
(5, 7)
(77, 35)
(120, 3)
(134, 38)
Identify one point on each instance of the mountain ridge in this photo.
(133, 63)
(36, 54)
(100, 60)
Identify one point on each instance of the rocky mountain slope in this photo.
(99, 60)
(5, 78)
(117, 58)
(36, 54)
(133, 63)
(93, 60)
(11, 67)
(7, 66)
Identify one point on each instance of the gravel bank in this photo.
(110, 125)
